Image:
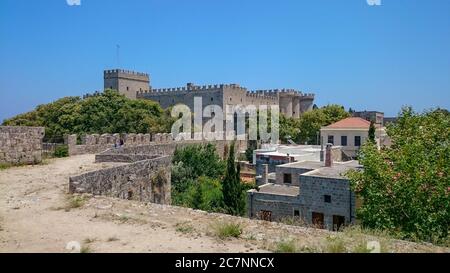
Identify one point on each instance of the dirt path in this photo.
(37, 215)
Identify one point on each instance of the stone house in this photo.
(318, 193)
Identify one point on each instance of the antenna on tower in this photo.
(118, 55)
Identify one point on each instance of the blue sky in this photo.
(347, 52)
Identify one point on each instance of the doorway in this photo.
(338, 222)
(318, 220)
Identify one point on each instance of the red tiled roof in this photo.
(350, 123)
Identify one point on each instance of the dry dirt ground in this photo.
(37, 215)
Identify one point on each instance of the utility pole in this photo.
(118, 55)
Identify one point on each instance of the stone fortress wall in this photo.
(146, 177)
(134, 85)
(138, 144)
(145, 180)
(21, 145)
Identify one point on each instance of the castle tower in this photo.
(306, 102)
(126, 82)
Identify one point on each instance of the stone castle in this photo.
(135, 85)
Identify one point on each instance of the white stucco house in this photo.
(351, 133)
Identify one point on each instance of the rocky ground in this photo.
(37, 215)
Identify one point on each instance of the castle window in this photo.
(327, 198)
(230, 99)
(128, 88)
(212, 99)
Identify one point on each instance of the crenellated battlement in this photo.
(115, 72)
(190, 88)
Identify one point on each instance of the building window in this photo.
(343, 140)
(330, 139)
(128, 88)
(327, 198)
(287, 178)
(230, 99)
(357, 141)
(296, 213)
(212, 99)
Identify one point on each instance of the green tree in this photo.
(106, 112)
(405, 188)
(252, 146)
(231, 184)
(189, 164)
(372, 132)
(306, 129)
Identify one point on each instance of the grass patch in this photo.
(335, 245)
(227, 230)
(286, 246)
(86, 249)
(75, 202)
(112, 239)
(89, 240)
(5, 166)
(184, 228)
(361, 247)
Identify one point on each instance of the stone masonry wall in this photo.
(280, 205)
(312, 192)
(21, 145)
(146, 181)
(159, 144)
(167, 148)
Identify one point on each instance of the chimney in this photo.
(328, 159)
(265, 174)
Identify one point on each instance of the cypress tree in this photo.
(372, 132)
(232, 190)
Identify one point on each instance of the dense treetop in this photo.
(106, 112)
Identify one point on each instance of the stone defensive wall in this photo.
(21, 145)
(189, 88)
(130, 153)
(95, 143)
(145, 180)
(137, 144)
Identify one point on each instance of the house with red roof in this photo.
(351, 133)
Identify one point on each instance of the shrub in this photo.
(61, 151)
(227, 230)
(286, 246)
(335, 245)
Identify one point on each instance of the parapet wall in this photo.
(137, 144)
(146, 181)
(21, 145)
(158, 149)
(95, 143)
